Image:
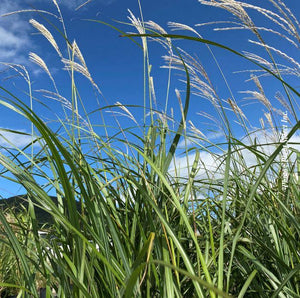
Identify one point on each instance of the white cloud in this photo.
(10, 39)
(212, 165)
(15, 29)
(14, 33)
(185, 142)
(208, 165)
(11, 139)
(189, 141)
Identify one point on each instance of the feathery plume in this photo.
(178, 26)
(236, 109)
(57, 97)
(78, 53)
(46, 33)
(83, 4)
(19, 69)
(282, 54)
(262, 123)
(29, 10)
(40, 62)
(74, 66)
(196, 130)
(139, 27)
(181, 107)
(269, 119)
(283, 102)
(127, 112)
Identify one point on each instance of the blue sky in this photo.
(116, 63)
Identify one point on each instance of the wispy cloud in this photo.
(18, 139)
(73, 4)
(14, 33)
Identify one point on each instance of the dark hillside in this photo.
(18, 203)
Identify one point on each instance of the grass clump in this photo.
(128, 220)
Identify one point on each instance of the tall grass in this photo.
(225, 225)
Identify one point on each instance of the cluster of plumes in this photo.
(284, 18)
(281, 22)
(178, 60)
(69, 63)
(74, 63)
(273, 60)
(284, 26)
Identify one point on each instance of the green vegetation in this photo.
(145, 227)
